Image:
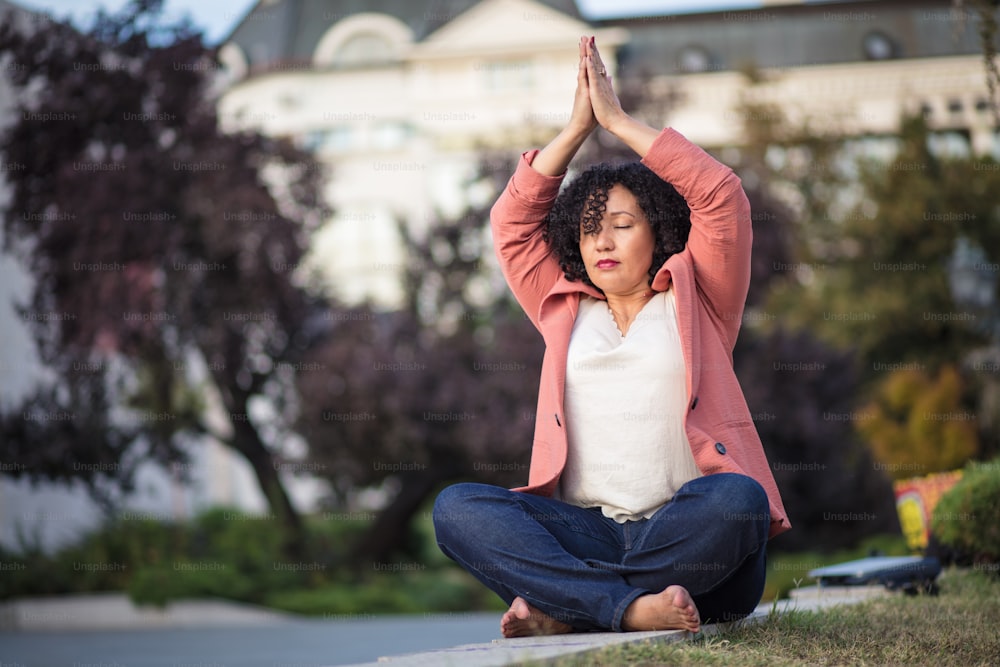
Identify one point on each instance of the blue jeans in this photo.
(584, 569)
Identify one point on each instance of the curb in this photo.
(544, 650)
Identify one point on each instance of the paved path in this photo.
(106, 630)
(114, 611)
(298, 643)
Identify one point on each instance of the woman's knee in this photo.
(749, 503)
(459, 507)
(748, 495)
(738, 499)
(730, 490)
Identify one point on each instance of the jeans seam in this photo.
(616, 620)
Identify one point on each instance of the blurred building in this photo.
(850, 67)
(397, 97)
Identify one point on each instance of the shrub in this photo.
(967, 518)
(225, 553)
(221, 553)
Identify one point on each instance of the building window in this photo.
(364, 49)
(338, 139)
(878, 46)
(953, 144)
(694, 59)
(508, 75)
(363, 39)
(391, 135)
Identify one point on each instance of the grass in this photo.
(957, 627)
(787, 571)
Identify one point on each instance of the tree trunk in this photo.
(388, 535)
(247, 442)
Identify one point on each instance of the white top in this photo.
(626, 398)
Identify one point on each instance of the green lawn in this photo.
(960, 626)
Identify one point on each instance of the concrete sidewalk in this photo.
(501, 652)
(114, 611)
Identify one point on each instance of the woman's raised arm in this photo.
(721, 235)
(556, 156)
(517, 219)
(608, 110)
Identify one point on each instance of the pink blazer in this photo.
(710, 280)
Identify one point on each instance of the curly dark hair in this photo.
(583, 202)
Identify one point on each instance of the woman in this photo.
(649, 500)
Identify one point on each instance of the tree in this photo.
(441, 390)
(161, 251)
(887, 285)
(802, 394)
(907, 276)
(986, 11)
(917, 425)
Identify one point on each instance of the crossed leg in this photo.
(526, 549)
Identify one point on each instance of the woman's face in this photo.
(619, 254)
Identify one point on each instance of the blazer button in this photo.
(694, 403)
(721, 448)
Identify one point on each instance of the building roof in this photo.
(283, 31)
(795, 35)
(279, 33)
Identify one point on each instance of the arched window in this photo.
(362, 40)
(364, 48)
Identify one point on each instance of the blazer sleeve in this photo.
(517, 222)
(721, 235)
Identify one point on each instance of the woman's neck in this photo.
(625, 307)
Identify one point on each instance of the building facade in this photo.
(398, 97)
(398, 102)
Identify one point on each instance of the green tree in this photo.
(885, 281)
(894, 263)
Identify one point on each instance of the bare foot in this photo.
(523, 620)
(670, 609)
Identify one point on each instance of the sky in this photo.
(218, 17)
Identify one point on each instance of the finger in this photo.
(596, 53)
(598, 69)
(595, 59)
(599, 64)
